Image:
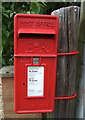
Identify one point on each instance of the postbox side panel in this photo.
(25, 104)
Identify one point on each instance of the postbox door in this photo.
(34, 100)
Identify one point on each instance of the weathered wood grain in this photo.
(66, 66)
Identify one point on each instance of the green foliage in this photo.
(9, 9)
(8, 12)
(50, 6)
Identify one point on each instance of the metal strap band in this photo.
(71, 53)
(46, 55)
(65, 98)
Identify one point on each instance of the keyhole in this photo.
(23, 83)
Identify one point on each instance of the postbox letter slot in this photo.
(23, 35)
(26, 31)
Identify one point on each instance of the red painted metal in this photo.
(68, 97)
(34, 36)
(71, 53)
(75, 94)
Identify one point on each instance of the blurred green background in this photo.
(9, 9)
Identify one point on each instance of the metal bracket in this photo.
(71, 53)
(75, 94)
(68, 97)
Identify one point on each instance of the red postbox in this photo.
(35, 53)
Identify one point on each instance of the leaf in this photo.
(11, 14)
(9, 25)
(32, 12)
(43, 2)
(6, 15)
(7, 11)
(35, 7)
(12, 6)
(42, 5)
(6, 33)
(28, 12)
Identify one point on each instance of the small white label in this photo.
(35, 84)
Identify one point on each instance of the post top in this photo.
(7, 71)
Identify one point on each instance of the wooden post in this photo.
(66, 67)
(81, 65)
(0, 34)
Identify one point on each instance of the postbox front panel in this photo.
(35, 48)
(36, 44)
